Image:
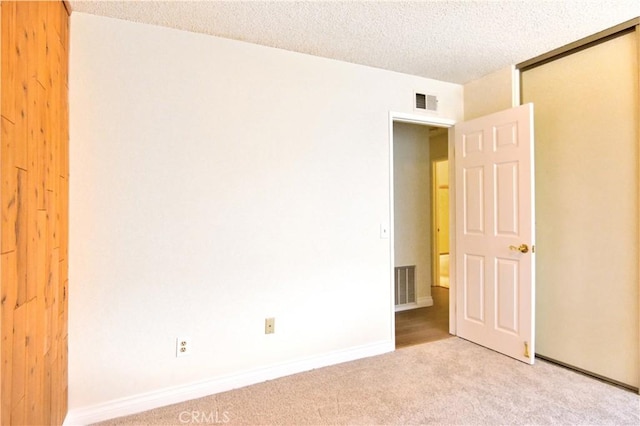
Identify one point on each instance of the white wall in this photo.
(215, 183)
(412, 198)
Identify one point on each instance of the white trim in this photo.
(515, 86)
(435, 245)
(160, 398)
(423, 302)
(420, 119)
(392, 274)
(404, 117)
(452, 234)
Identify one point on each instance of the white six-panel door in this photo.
(495, 232)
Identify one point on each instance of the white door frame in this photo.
(432, 122)
(435, 229)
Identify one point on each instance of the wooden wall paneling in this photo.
(64, 39)
(50, 328)
(21, 235)
(42, 257)
(34, 208)
(18, 60)
(53, 142)
(55, 375)
(3, 355)
(59, 382)
(35, 184)
(42, 144)
(8, 22)
(41, 42)
(54, 20)
(41, 318)
(61, 295)
(63, 205)
(56, 388)
(32, 151)
(31, 26)
(53, 335)
(63, 210)
(52, 239)
(18, 413)
(64, 118)
(55, 393)
(63, 280)
(32, 238)
(55, 96)
(8, 296)
(63, 366)
(19, 364)
(8, 176)
(32, 364)
(52, 212)
(2, 278)
(45, 400)
(46, 149)
(62, 387)
(3, 309)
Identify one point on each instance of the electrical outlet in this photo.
(183, 346)
(269, 325)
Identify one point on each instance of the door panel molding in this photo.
(495, 226)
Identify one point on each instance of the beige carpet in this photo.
(450, 381)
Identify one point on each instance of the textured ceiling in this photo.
(455, 41)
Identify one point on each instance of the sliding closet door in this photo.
(586, 128)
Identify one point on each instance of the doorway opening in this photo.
(421, 233)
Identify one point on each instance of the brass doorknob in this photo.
(522, 249)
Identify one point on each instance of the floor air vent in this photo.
(405, 284)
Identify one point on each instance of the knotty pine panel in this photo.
(33, 363)
(34, 194)
(21, 234)
(8, 296)
(18, 59)
(9, 81)
(9, 176)
(19, 366)
(63, 217)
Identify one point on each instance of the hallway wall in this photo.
(412, 204)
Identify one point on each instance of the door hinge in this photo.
(526, 350)
(533, 249)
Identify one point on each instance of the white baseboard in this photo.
(159, 398)
(422, 302)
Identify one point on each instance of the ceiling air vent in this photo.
(426, 102)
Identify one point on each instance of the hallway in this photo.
(424, 324)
